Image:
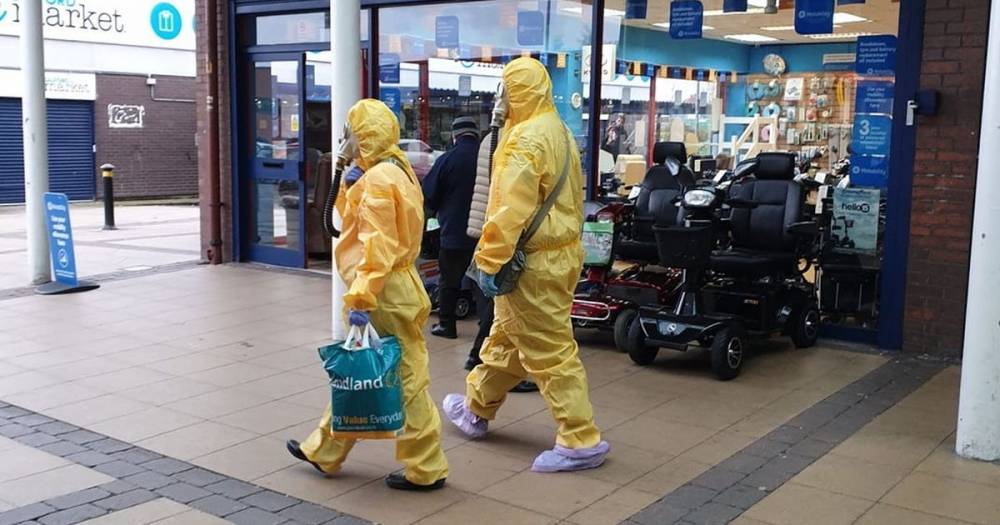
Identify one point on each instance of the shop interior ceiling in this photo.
(876, 17)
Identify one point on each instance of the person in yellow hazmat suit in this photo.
(383, 221)
(532, 335)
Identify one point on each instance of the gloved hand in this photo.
(353, 175)
(488, 285)
(359, 318)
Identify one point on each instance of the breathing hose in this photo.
(331, 199)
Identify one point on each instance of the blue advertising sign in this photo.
(874, 96)
(388, 68)
(734, 6)
(686, 17)
(872, 134)
(813, 17)
(872, 172)
(635, 9)
(677, 72)
(876, 55)
(701, 74)
(392, 98)
(60, 238)
(164, 18)
(530, 28)
(446, 31)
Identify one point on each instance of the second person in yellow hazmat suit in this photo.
(383, 222)
(532, 334)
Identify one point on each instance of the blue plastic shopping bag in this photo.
(367, 394)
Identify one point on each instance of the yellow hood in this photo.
(529, 90)
(377, 132)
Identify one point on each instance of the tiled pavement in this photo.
(213, 368)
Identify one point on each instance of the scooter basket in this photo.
(684, 246)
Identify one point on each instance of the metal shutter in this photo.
(71, 149)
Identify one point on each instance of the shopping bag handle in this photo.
(361, 338)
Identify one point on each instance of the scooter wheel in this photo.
(622, 325)
(728, 352)
(462, 308)
(641, 354)
(805, 328)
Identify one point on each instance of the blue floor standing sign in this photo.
(57, 225)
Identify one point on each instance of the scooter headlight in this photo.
(699, 198)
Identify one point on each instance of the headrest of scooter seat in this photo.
(669, 150)
(775, 166)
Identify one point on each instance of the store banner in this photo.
(734, 6)
(872, 134)
(388, 68)
(686, 17)
(874, 96)
(876, 55)
(391, 97)
(870, 172)
(146, 23)
(635, 9)
(814, 17)
(855, 219)
(446, 32)
(530, 28)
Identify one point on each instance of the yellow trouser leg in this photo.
(532, 335)
(325, 450)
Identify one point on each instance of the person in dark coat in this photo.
(448, 195)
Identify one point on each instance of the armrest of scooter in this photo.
(804, 229)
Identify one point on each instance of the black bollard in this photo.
(108, 174)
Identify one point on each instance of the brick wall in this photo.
(944, 178)
(158, 159)
(222, 100)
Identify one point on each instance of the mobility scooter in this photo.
(609, 298)
(753, 287)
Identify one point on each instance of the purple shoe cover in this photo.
(473, 426)
(562, 459)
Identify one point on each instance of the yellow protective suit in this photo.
(383, 221)
(532, 334)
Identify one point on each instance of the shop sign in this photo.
(58, 85)
(871, 172)
(701, 74)
(530, 28)
(876, 55)
(677, 72)
(446, 32)
(734, 6)
(392, 98)
(635, 9)
(147, 23)
(874, 96)
(60, 238)
(872, 134)
(813, 17)
(855, 219)
(388, 68)
(686, 18)
(608, 62)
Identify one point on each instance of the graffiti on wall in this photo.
(125, 116)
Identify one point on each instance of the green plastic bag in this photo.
(367, 394)
(598, 238)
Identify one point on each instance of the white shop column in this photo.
(979, 409)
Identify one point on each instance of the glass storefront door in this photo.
(275, 179)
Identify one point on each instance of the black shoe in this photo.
(442, 331)
(295, 449)
(524, 386)
(472, 362)
(399, 482)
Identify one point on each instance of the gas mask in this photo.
(501, 105)
(347, 152)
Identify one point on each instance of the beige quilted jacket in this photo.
(481, 192)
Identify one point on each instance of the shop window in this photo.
(442, 61)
